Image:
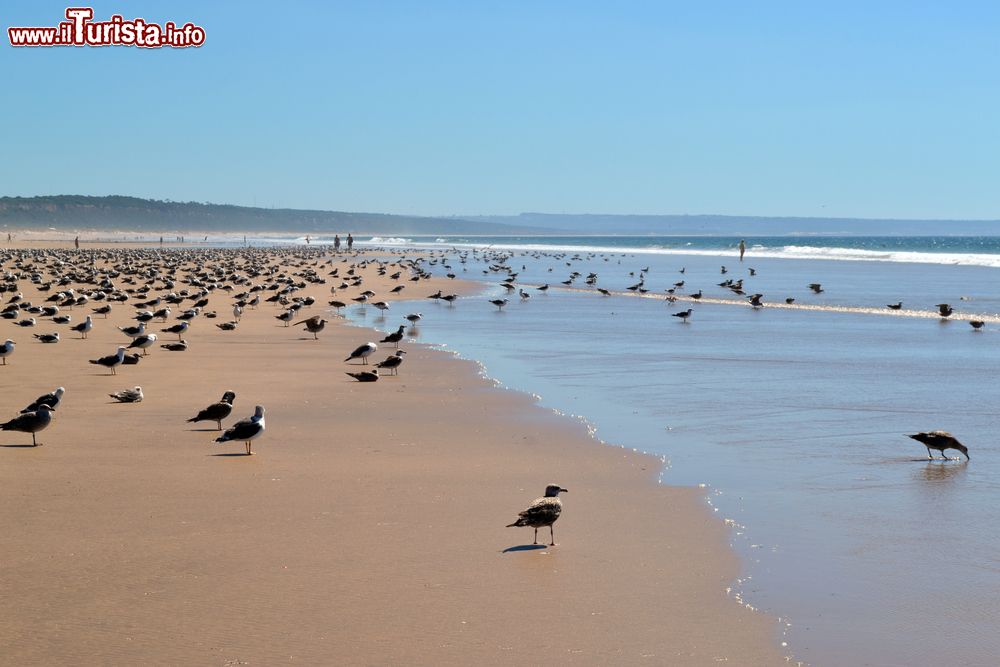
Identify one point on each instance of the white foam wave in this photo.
(783, 252)
(386, 240)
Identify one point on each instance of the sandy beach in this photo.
(368, 528)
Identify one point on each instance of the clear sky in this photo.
(863, 109)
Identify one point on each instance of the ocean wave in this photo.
(387, 240)
(757, 251)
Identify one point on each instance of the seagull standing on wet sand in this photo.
(217, 411)
(30, 422)
(394, 338)
(684, 314)
(111, 361)
(314, 325)
(363, 352)
(83, 328)
(6, 350)
(542, 512)
(245, 430)
(940, 440)
(392, 363)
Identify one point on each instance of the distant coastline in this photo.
(77, 213)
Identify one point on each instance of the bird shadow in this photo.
(307, 338)
(20, 446)
(204, 430)
(525, 547)
(231, 454)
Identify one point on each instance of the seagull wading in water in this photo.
(542, 512)
(940, 440)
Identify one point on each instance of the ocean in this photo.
(790, 417)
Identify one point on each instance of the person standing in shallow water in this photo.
(350, 242)
(336, 242)
(743, 248)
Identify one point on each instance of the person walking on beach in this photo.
(350, 242)
(336, 242)
(743, 248)
(76, 242)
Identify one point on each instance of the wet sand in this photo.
(368, 527)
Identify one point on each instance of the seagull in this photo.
(237, 312)
(128, 395)
(394, 338)
(6, 350)
(542, 288)
(944, 309)
(30, 422)
(499, 303)
(413, 318)
(381, 305)
(103, 310)
(217, 411)
(363, 352)
(84, 327)
(62, 319)
(48, 338)
(228, 326)
(392, 363)
(131, 359)
(977, 324)
(143, 342)
(940, 440)
(313, 325)
(286, 316)
(179, 346)
(178, 329)
(755, 300)
(134, 332)
(894, 306)
(30, 322)
(450, 298)
(51, 400)
(365, 376)
(604, 291)
(112, 361)
(246, 430)
(542, 512)
(816, 287)
(684, 315)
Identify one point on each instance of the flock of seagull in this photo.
(102, 279)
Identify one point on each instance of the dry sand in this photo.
(366, 529)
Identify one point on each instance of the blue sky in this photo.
(856, 109)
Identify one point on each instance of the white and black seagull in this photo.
(363, 352)
(246, 430)
(52, 400)
(112, 361)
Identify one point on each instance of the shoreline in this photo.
(384, 544)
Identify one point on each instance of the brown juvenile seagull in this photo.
(30, 422)
(542, 512)
(313, 325)
(940, 440)
(217, 411)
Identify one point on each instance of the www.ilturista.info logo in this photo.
(81, 30)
